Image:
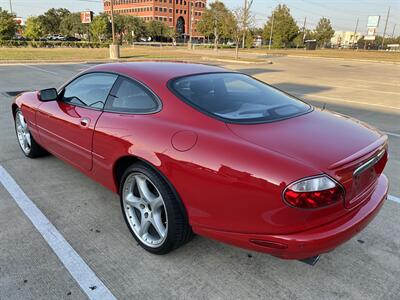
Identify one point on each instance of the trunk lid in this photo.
(332, 143)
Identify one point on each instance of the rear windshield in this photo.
(237, 98)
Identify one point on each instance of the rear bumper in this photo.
(312, 242)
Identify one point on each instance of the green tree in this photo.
(71, 24)
(323, 32)
(51, 20)
(285, 29)
(156, 29)
(129, 28)
(136, 28)
(214, 22)
(100, 28)
(8, 26)
(33, 28)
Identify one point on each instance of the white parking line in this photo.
(39, 69)
(80, 271)
(393, 198)
(391, 133)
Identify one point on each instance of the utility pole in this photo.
(304, 29)
(112, 21)
(272, 29)
(394, 28)
(11, 10)
(384, 31)
(114, 47)
(355, 32)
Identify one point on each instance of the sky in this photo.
(343, 13)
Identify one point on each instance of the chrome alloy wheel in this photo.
(145, 210)
(23, 134)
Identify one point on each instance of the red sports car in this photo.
(193, 148)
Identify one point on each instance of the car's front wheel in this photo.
(26, 141)
(152, 211)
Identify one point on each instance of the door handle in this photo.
(85, 122)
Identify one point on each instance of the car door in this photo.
(125, 121)
(66, 126)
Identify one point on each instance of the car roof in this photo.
(151, 71)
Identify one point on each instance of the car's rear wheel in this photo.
(152, 211)
(25, 140)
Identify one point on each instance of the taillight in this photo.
(313, 192)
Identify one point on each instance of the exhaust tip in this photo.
(311, 260)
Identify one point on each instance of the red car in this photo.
(192, 148)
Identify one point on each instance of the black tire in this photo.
(35, 149)
(179, 231)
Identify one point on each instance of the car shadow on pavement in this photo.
(301, 89)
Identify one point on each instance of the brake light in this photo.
(313, 192)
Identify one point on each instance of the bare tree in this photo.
(246, 19)
(236, 27)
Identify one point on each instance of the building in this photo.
(345, 39)
(174, 13)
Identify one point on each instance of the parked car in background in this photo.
(72, 39)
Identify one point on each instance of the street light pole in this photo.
(304, 29)
(11, 10)
(272, 29)
(384, 31)
(244, 23)
(191, 16)
(355, 33)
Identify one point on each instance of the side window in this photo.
(89, 90)
(131, 97)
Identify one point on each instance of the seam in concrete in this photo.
(76, 266)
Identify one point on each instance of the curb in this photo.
(247, 62)
(104, 61)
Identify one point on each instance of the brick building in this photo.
(174, 13)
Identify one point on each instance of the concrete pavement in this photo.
(89, 217)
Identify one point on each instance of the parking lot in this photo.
(89, 218)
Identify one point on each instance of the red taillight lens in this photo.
(313, 193)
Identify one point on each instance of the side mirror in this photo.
(48, 95)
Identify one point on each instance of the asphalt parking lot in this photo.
(89, 218)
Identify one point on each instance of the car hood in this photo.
(319, 139)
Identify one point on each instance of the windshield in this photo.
(237, 98)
